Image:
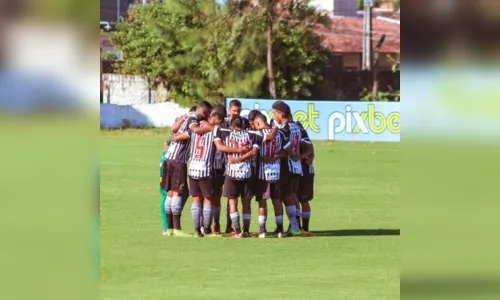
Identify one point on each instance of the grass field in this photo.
(355, 215)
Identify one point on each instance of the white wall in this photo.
(130, 89)
(151, 115)
(346, 8)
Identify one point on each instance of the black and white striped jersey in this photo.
(202, 155)
(220, 157)
(305, 139)
(179, 151)
(293, 136)
(238, 139)
(270, 171)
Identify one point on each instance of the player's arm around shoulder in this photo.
(186, 135)
(271, 135)
(253, 152)
(201, 127)
(178, 123)
(221, 134)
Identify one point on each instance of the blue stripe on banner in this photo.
(339, 120)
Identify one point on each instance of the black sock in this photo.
(170, 221)
(262, 228)
(306, 216)
(306, 224)
(177, 222)
(280, 228)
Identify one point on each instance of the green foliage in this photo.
(299, 58)
(383, 96)
(204, 51)
(109, 55)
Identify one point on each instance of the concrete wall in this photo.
(151, 115)
(128, 89)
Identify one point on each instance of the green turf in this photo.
(355, 210)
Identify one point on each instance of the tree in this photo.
(204, 51)
(298, 55)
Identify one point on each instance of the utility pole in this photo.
(118, 10)
(375, 67)
(367, 36)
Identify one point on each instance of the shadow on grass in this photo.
(356, 232)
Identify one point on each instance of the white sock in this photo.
(291, 212)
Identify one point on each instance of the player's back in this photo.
(270, 171)
(236, 139)
(202, 155)
(293, 135)
(179, 151)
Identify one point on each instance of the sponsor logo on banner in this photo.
(337, 120)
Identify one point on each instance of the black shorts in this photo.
(219, 179)
(233, 189)
(201, 187)
(306, 186)
(266, 190)
(174, 177)
(289, 183)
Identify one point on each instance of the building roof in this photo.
(346, 35)
(388, 14)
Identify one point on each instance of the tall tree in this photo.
(205, 51)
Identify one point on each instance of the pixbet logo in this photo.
(364, 122)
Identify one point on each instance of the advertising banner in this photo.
(339, 120)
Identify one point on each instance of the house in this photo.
(345, 40)
(109, 9)
(345, 37)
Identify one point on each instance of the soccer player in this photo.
(201, 179)
(163, 192)
(306, 182)
(219, 169)
(251, 118)
(255, 160)
(175, 168)
(180, 120)
(238, 181)
(267, 185)
(291, 169)
(235, 111)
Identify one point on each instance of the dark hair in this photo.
(235, 102)
(252, 114)
(282, 107)
(204, 104)
(221, 109)
(218, 115)
(237, 122)
(261, 117)
(193, 109)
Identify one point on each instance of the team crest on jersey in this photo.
(182, 187)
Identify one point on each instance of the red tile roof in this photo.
(388, 14)
(346, 35)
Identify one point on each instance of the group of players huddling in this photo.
(236, 157)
